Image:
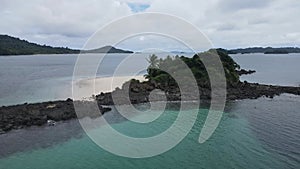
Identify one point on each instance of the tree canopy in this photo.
(158, 69)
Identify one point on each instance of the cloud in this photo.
(226, 27)
(229, 24)
(235, 23)
(69, 20)
(235, 5)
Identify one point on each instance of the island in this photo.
(267, 50)
(25, 115)
(15, 46)
(106, 49)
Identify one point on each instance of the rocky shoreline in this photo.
(37, 114)
(245, 72)
(140, 91)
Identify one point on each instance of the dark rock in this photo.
(245, 72)
(69, 100)
(25, 115)
(20, 116)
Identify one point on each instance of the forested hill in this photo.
(106, 49)
(15, 46)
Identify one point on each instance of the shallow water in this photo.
(37, 78)
(261, 133)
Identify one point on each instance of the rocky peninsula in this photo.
(25, 115)
(37, 114)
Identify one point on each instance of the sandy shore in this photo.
(85, 88)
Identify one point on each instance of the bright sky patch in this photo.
(138, 7)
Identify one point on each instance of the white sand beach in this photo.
(86, 88)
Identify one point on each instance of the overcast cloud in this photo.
(227, 23)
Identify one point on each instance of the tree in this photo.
(153, 61)
(159, 69)
(152, 69)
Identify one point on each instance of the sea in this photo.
(259, 133)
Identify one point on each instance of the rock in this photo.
(8, 127)
(51, 122)
(245, 72)
(69, 100)
(50, 106)
(135, 89)
(20, 116)
(25, 115)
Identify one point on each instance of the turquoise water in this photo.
(262, 133)
(238, 142)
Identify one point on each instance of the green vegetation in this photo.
(277, 51)
(156, 74)
(106, 49)
(15, 46)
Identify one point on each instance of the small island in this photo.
(106, 49)
(25, 115)
(267, 50)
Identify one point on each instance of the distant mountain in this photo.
(15, 46)
(176, 52)
(267, 50)
(106, 49)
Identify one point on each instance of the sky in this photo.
(226, 23)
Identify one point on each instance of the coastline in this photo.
(19, 116)
(101, 84)
(37, 114)
(140, 91)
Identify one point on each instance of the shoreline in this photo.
(37, 114)
(140, 91)
(102, 84)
